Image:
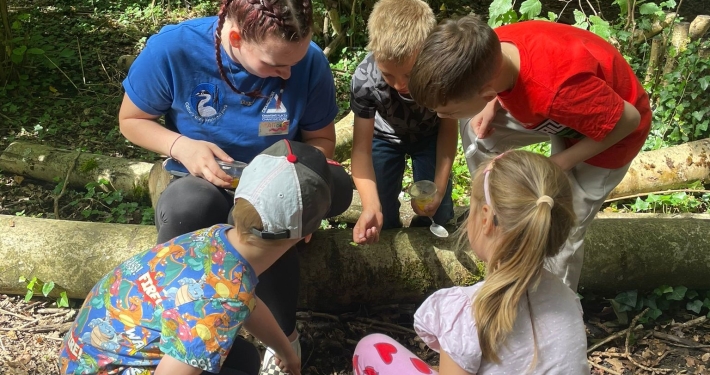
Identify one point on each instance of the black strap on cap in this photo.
(282, 235)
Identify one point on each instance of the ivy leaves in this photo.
(663, 299)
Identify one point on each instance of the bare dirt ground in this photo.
(30, 336)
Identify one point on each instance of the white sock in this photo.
(296, 345)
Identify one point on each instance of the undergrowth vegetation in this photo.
(62, 71)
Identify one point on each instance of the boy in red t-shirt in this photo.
(555, 82)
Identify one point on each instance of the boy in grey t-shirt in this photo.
(389, 125)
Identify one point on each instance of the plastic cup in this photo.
(233, 169)
(422, 193)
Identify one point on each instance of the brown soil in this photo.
(30, 336)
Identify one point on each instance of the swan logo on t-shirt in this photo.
(274, 116)
(204, 103)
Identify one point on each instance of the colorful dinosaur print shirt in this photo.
(186, 298)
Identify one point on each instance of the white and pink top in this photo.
(445, 322)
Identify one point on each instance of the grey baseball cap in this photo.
(293, 187)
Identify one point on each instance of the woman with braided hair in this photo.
(228, 87)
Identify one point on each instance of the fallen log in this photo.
(404, 267)
(667, 168)
(651, 171)
(658, 170)
(699, 26)
(643, 251)
(75, 255)
(679, 41)
(47, 163)
(344, 137)
(656, 27)
(655, 57)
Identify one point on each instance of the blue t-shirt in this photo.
(176, 75)
(186, 298)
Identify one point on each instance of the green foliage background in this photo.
(60, 73)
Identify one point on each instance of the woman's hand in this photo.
(143, 129)
(199, 158)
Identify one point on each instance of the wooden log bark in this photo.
(158, 180)
(654, 59)
(699, 27)
(643, 251)
(47, 163)
(333, 45)
(656, 28)
(679, 42)
(405, 265)
(668, 168)
(622, 252)
(344, 138)
(658, 170)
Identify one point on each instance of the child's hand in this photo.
(368, 227)
(291, 364)
(480, 123)
(431, 208)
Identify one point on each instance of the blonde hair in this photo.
(458, 58)
(531, 228)
(397, 29)
(245, 218)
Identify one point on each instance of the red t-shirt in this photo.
(573, 84)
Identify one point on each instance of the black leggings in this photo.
(191, 203)
(243, 359)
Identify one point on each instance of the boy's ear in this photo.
(487, 93)
(308, 238)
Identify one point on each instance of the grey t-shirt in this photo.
(397, 119)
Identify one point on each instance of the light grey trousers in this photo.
(590, 185)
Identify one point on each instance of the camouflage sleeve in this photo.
(362, 100)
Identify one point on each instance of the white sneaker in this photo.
(269, 367)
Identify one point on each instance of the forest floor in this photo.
(30, 337)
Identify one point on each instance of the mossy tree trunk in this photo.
(622, 252)
(48, 164)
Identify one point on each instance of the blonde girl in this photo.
(521, 319)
